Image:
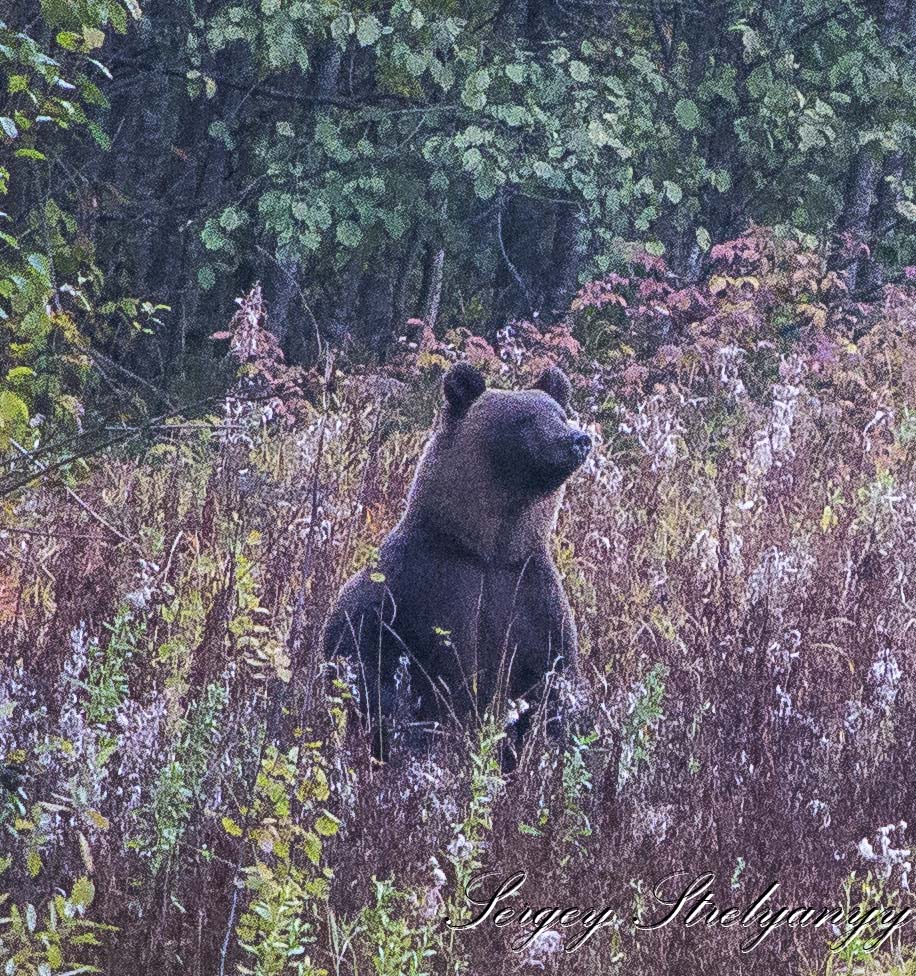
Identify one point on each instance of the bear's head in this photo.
(524, 436)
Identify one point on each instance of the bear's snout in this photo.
(581, 445)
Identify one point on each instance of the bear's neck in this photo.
(459, 510)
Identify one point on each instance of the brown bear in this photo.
(465, 605)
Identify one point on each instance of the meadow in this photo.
(189, 789)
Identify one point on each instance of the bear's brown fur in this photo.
(471, 605)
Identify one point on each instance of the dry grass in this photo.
(740, 565)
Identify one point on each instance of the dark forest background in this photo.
(456, 164)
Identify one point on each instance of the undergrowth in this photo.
(185, 789)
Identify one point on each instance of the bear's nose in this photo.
(582, 444)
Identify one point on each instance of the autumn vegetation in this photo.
(240, 245)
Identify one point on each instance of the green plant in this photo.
(58, 940)
(51, 304)
(180, 780)
(564, 809)
(850, 951)
(643, 717)
(282, 829)
(397, 947)
(577, 782)
(107, 682)
(465, 851)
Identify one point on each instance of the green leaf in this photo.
(368, 31)
(18, 373)
(327, 825)
(349, 233)
(442, 74)
(416, 64)
(231, 827)
(479, 80)
(475, 88)
(206, 277)
(219, 130)
(92, 38)
(212, 237)
(597, 133)
(703, 239)
(673, 191)
(515, 115)
(472, 159)
(99, 135)
(484, 184)
(231, 219)
(312, 845)
(579, 71)
(39, 264)
(722, 180)
(906, 208)
(341, 27)
(83, 893)
(687, 114)
(69, 40)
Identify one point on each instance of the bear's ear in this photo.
(462, 386)
(555, 383)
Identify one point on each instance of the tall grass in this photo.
(193, 795)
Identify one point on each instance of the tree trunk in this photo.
(521, 270)
(280, 291)
(411, 253)
(373, 317)
(336, 307)
(871, 275)
(566, 261)
(870, 194)
(327, 75)
(857, 213)
(432, 298)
